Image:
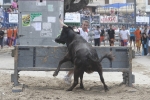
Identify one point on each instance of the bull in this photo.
(82, 55)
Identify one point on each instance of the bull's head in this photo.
(62, 38)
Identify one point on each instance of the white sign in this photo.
(45, 33)
(13, 18)
(108, 19)
(72, 17)
(51, 19)
(47, 26)
(46, 30)
(142, 19)
(37, 26)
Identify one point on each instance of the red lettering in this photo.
(108, 19)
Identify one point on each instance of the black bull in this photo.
(82, 55)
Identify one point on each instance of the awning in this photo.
(116, 5)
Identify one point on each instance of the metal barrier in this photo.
(46, 58)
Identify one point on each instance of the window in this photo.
(117, 1)
(106, 1)
(6, 1)
(148, 2)
(129, 1)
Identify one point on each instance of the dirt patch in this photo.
(42, 86)
(46, 88)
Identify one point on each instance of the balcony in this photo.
(129, 8)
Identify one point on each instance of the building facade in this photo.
(142, 5)
(5, 3)
(147, 7)
(126, 14)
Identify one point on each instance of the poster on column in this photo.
(50, 8)
(36, 16)
(26, 20)
(37, 26)
(13, 18)
(46, 30)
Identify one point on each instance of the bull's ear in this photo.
(65, 28)
(70, 27)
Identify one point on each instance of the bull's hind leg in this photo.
(81, 80)
(76, 77)
(101, 77)
(65, 59)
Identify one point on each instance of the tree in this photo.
(71, 6)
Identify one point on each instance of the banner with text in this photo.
(108, 19)
(72, 18)
(142, 19)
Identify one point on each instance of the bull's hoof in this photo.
(106, 89)
(55, 73)
(82, 87)
(69, 89)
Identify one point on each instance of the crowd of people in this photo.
(8, 31)
(4, 14)
(137, 37)
(8, 36)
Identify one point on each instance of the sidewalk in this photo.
(143, 60)
(6, 49)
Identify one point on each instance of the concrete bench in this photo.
(46, 58)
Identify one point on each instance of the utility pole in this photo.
(134, 13)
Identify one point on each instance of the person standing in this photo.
(144, 43)
(9, 36)
(14, 4)
(1, 14)
(124, 36)
(1, 37)
(5, 36)
(102, 35)
(84, 30)
(145, 30)
(112, 12)
(97, 33)
(116, 12)
(148, 44)
(132, 36)
(111, 35)
(138, 39)
(14, 35)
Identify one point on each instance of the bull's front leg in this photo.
(65, 59)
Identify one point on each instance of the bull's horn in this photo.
(62, 23)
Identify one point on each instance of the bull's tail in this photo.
(109, 56)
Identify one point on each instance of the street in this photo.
(44, 83)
